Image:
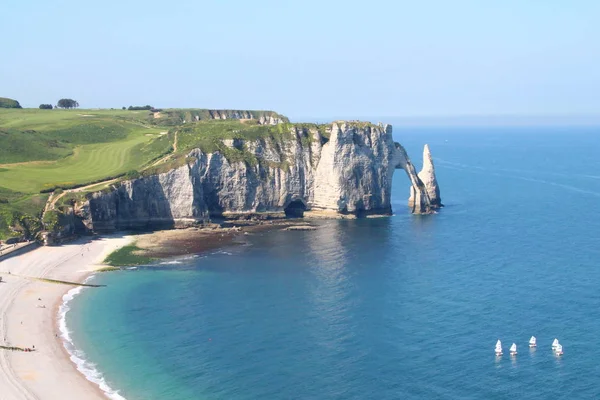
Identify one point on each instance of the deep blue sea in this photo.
(406, 307)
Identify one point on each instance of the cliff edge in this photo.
(341, 168)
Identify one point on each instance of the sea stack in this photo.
(427, 176)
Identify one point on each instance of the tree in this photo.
(124, 108)
(9, 103)
(67, 103)
(45, 106)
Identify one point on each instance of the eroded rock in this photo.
(346, 172)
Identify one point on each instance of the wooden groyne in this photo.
(48, 280)
(66, 282)
(14, 348)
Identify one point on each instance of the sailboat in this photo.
(532, 342)
(555, 343)
(513, 350)
(558, 350)
(498, 348)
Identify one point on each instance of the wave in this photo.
(180, 260)
(87, 368)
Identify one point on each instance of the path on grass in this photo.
(51, 203)
(165, 158)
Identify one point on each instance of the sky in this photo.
(307, 58)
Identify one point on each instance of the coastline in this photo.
(180, 242)
(29, 311)
(32, 311)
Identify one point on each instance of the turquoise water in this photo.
(404, 307)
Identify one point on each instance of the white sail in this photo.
(558, 348)
(532, 340)
(513, 348)
(555, 343)
(498, 348)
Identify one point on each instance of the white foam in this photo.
(87, 368)
(170, 262)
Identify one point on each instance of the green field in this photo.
(45, 150)
(88, 163)
(41, 149)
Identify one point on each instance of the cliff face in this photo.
(182, 116)
(347, 169)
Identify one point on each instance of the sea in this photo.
(405, 307)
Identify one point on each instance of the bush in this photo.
(45, 106)
(132, 174)
(138, 108)
(52, 220)
(9, 103)
(67, 103)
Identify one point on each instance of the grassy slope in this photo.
(97, 144)
(88, 163)
(45, 148)
(21, 209)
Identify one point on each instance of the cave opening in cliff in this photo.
(295, 209)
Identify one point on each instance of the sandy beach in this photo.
(29, 308)
(28, 317)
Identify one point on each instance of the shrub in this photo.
(67, 103)
(9, 103)
(45, 106)
(138, 108)
(132, 174)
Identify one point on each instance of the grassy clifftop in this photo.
(45, 150)
(41, 150)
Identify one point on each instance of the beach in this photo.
(28, 318)
(30, 308)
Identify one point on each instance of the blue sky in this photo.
(307, 58)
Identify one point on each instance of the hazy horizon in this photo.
(467, 120)
(311, 58)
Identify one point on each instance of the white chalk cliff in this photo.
(347, 169)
